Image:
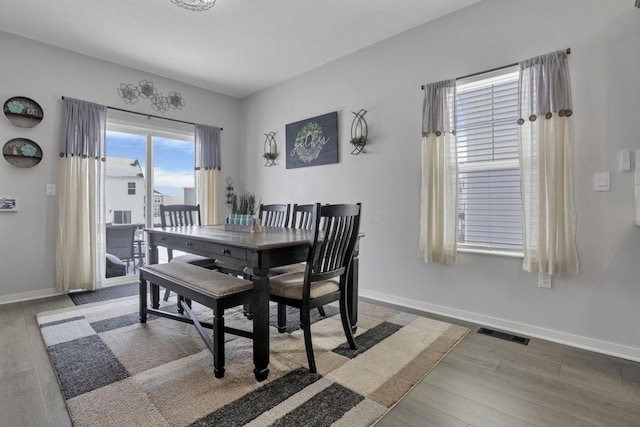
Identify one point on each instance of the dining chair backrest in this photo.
(274, 215)
(302, 216)
(179, 215)
(333, 242)
(120, 241)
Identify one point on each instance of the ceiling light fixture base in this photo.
(195, 5)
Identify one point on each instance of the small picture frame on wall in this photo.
(8, 204)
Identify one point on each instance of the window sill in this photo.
(489, 251)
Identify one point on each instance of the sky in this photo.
(173, 159)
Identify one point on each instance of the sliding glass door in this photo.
(145, 167)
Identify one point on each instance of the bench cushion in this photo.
(210, 281)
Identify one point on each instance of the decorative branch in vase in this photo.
(245, 204)
(243, 209)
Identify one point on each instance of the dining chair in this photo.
(180, 216)
(301, 218)
(276, 215)
(120, 239)
(324, 279)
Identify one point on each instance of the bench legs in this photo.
(216, 346)
(218, 342)
(259, 335)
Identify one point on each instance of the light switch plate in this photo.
(50, 189)
(602, 181)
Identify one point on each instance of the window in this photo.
(122, 217)
(131, 187)
(489, 201)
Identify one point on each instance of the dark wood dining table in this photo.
(261, 251)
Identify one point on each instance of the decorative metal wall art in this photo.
(270, 149)
(359, 132)
(313, 141)
(22, 112)
(146, 90)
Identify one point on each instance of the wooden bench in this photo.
(207, 287)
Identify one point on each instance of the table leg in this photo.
(155, 289)
(260, 311)
(143, 301)
(153, 254)
(155, 296)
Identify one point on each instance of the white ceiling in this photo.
(237, 48)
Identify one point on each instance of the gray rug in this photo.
(104, 294)
(114, 371)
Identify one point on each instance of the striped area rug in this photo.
(114, 371)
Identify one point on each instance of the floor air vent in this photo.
(504, 336)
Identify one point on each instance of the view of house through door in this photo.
(145, 168)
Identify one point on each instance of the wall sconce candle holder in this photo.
(359, 132)
(230, 193)
(270, 149)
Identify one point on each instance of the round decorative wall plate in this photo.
(22, 152)
(22, 112)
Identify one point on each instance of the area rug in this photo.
(105, 294)
(115, 371)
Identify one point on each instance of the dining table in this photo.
(261, 251)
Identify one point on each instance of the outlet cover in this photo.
(544, 280)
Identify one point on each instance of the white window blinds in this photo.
(489, 202)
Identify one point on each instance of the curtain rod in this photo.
(149, 115)
(493, 69)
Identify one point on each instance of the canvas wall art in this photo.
(313, 141)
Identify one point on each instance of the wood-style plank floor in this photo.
(484, 381)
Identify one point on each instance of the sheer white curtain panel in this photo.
(438, 203)
(207, 165)
(80, 246)
(545, 134)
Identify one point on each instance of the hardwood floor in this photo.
(484, 381)
(29, 391)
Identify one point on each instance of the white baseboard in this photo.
(585, 343)
(26, 296)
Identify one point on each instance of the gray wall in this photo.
(45, 73)
(597, 309)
